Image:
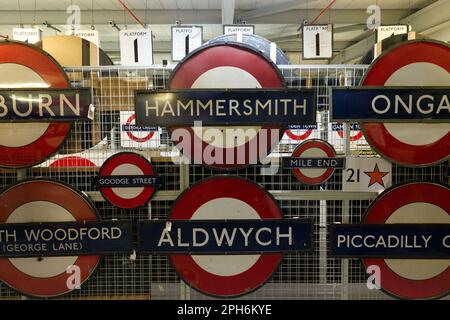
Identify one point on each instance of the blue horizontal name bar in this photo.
(218, 107)
(391, 240)
(372, 104)
(302, 126)
(45, 104)
(225, 236)
(125, 181)
(64, 238)
(134, 128)
(292, 162)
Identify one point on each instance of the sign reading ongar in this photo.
(391, 104)
(231, 107)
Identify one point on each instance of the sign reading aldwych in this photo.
(231, 107)
(225, 236)
(64, 238)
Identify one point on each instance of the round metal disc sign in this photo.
(314, 149)
(229, 66)
(126, 180)
(44, 201)
(412, 203)
(231, 198)
(138, 137)
(26, 66)
(415, 63)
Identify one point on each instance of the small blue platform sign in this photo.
(391, 104)
(391, 240)
(225, 236)
(230, 107)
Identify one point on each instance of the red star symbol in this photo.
(376, 176)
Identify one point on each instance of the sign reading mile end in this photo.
(230, 107)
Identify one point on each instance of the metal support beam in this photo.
(272, 9)
(228, 11)
(355, 51)
(431, 16)
(103, 17)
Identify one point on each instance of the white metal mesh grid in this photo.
(312, 275)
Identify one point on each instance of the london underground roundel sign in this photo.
(414, 63)
(229, 66)
(127, 180)
(26, 66)
(225, 198)
(412, 203)
(44, 200)
(319, 172)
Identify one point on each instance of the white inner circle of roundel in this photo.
(312, 153)
(41, 211)
(419, 74)
(226, 78)
(418, 269)
(231, 209)
(127, 169)
(20, 134)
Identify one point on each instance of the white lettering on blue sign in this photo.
(224, 238)
(424, 104)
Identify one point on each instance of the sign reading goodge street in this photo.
(212, 107)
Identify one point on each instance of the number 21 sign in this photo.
(366, 174)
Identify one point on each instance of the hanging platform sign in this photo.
(391, 104)
(90, 35)
(46, 104)
(64, 238)
(245, 236)
(406, 234)
(185, 39)
(317, 41)
(231, 107)
(384, 32)
(29, 35)
(136, 47)
(238, 28)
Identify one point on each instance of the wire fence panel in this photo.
(312, 275)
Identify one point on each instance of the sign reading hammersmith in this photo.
(231, 107)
